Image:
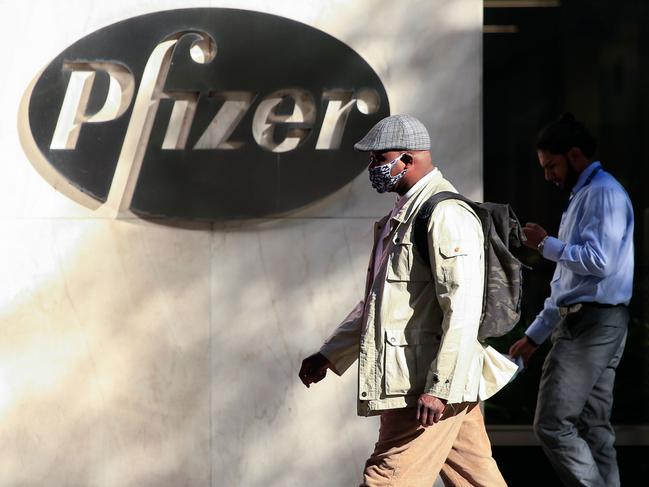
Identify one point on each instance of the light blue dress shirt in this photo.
(593, 252)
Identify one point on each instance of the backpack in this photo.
(503, 284)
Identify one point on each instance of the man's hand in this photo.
(314, 369)
(524, 348)
(534, 234)
(429, 409)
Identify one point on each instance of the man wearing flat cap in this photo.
(420, 364)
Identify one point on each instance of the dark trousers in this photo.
(575, 398)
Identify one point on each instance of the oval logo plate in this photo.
(205, 113)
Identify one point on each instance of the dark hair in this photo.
(562, 135)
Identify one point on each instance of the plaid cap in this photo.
(395, 132)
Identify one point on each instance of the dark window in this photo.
(590, 57)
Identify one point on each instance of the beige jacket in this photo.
(416, 329)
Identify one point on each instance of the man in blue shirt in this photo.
(586, 313)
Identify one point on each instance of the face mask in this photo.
(381, 178)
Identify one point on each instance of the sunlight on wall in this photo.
(142, 353)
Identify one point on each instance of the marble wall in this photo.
(152, 353)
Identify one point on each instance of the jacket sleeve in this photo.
(455, 243)
(342, 347)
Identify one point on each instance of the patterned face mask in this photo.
(381, 178)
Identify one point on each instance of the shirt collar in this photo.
(581, 180)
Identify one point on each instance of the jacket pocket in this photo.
(408, 355)
(404, 267)
(450, 252)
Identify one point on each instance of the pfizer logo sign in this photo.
(203, 113)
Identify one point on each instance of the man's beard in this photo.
(571, 178)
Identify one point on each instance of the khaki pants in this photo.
(409, 455)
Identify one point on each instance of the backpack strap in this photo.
(420, 229)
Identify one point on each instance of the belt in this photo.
(574, 308)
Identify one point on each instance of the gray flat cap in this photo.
(395, 132)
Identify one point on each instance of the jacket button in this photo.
(364, 394)
(392, 340)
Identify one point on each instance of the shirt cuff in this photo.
(552, 249)
(538, 331)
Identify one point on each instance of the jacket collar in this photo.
(421, 194)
